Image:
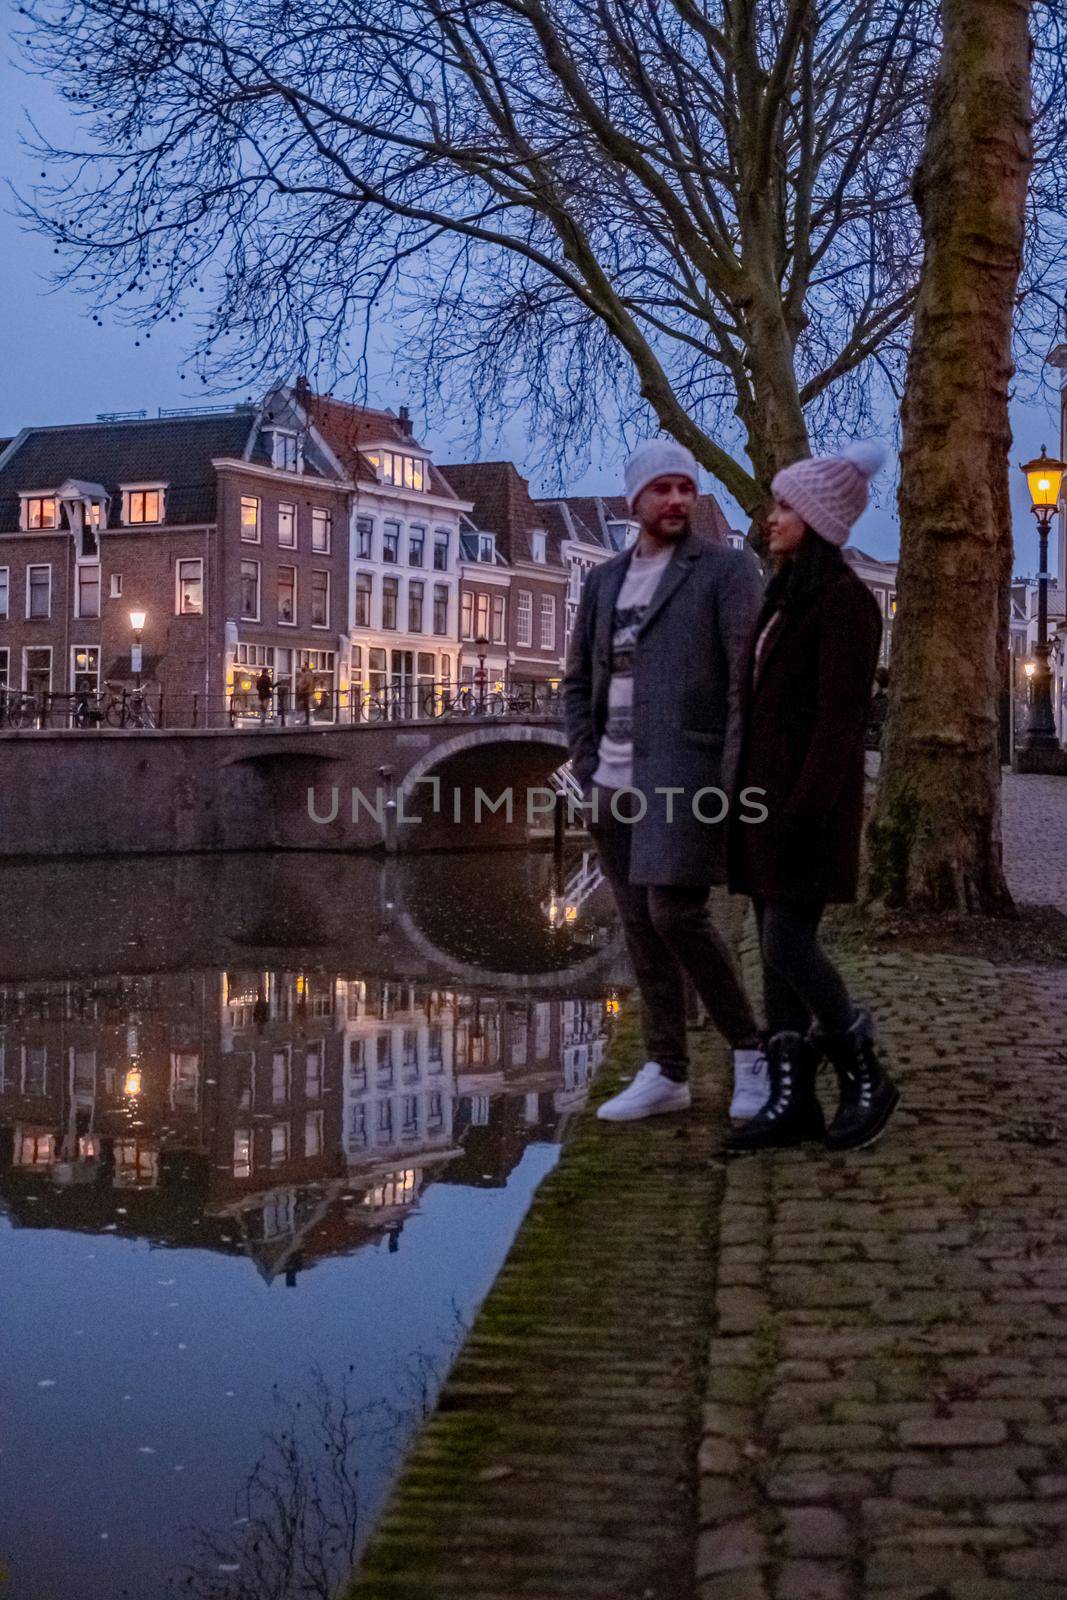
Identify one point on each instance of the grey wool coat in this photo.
(691, 651)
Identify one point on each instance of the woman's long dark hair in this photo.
(797, 579)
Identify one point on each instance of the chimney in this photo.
(404, 419)
(302, 388)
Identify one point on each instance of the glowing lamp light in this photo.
(1044, 476)
(1030, 668)
(571, 914)
(138, 620)
(132, 1085)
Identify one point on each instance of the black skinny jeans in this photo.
(800, 982)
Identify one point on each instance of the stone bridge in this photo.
(428, 785)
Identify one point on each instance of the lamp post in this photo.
(1044, 476)
(480, 644)
(137, 622)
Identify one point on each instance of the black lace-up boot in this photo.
(792, 1114)
(868, 1094)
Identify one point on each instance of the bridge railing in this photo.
(318, 704)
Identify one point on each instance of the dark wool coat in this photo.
(689, 660)
(802, 742)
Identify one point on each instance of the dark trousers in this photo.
(669, 933)
(800, 982)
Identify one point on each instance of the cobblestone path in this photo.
(887, 1396)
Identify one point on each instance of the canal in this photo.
(268, 1125)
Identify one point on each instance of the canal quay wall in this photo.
(118, 792)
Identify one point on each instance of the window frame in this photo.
(29, 500)
(115, 586)
(287, 544)
(390, 542)
(391, 590)
(243, 615)
(364, 538)
(5, 666)
(416, 593)
(322, 517)
(290, 622)
(80, 570)
(180, 610)
(441, 597)
(320, 572)
(364, 585)
(538, 546)
(466, 614)
(498, 614)
(26, 649)
(85, 672)
(546, 612)
(132, 491)
(524, 618)
(5, 593)
(281, 438)
(417, 537)
(250, 500)
(442, 538)
(38, 616)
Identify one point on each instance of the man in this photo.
(264, 689)
(651, 695)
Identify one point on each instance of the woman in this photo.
(804, 714)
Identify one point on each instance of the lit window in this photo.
(88, 592)
(41, 512)
(85, 668)
(320, 599)
(287, 594)
(250, 518)
(321, 530)
(250, 590)
(524, 618)
(242, 1153)
(406, 472)
(143, 505)
(287, 526)
(190, 578)
(39, 592)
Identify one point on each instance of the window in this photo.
(416, 546)
(38, 592)
(250, 518)
(481, 616)
(250, 590)
(5, 668)
(892, 611)
(365, 538)
(321, 530)
(279, 1143)
(440, 608)
(190, 581)
(85, 667)
(287, 526)
(37, 669)
(364, 591)
(486, 546)
(286, 451)
(537, 546)
(313, 1071)
(144, 505)
(415, 595)
(498, 634)
(407, 472)
(320, 599)
(116, 586)
(376, 673)
(548, 622)
(5, 590)
(390, 592)
(524, 618)
(41, 512)
(313, 1134)
(466, 615)
(440, 550)
(390, 541)
(88, 592)
(279, 1076)
(287, 595)
(242, 1153)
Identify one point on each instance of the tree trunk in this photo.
(935, 835)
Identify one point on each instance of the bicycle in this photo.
(128, 708)
(20, 710)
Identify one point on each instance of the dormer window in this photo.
(40, 511)
(487, 547)
(285, 451)
(142, 504)
(537, 546)
(406, 472)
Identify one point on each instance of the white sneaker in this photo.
(751, 1085)
(649, 1095)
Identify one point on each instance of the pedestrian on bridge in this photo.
(651, 699)
(807, 692)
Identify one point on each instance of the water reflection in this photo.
(274, 1124)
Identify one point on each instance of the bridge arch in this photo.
(496, 758)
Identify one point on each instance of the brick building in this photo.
(228, 530)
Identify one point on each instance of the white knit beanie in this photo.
(655, 458)
(830, 492)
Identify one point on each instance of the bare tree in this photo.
(701, 210)
(935, 836)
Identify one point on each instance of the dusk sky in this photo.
(62, 368)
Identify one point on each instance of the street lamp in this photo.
(137, 622)
(1044, 477)
(481, 644)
